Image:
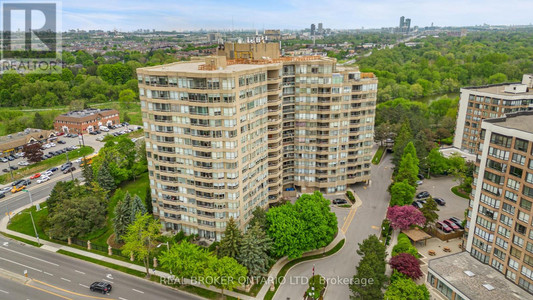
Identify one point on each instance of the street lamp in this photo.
(69, 168)
(35, 229)
(168, 247)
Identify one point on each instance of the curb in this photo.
(14, 276)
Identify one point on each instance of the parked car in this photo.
(421, 176)
(421, 195)
(48, 155)
(93, 133)
(5, 189)
(419, 182)
(102, 287)
(5, 170)
(47, 174)
(71, 169)
(52, 145)
(2, 194)
(440, 201)
(339, 201)
(23, 163)
(25, 182)
(457, 222)
(43, 179)
(417, 204)
(10, 158)
(53, 169)
(100, 138)
(451, 224)
(104, 128)
(61, 142)
(443, 227)
(35, 176)
(3, 159)
(14, 168)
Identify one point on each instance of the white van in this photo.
(104, 128)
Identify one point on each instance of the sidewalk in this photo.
(53, 247)
(392, 243)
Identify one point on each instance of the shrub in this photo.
(404, 246)
(350, 196)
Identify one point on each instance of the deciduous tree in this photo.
(226, 273)
(402, 193)
(33, 152)
(429, 210)
(406, 264)
(140, 237)
(406, 289)
(403, 217)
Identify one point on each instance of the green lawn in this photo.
(379, 154)
(133, 111)
(46, 164)
(460, 193)
(22, 222)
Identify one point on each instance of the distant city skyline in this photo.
(291, 14)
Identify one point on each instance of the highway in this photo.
(56, 276)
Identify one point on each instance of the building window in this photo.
(518, 241)
(521, 145)
(525, 204)
(515, 171)
(501, 140)
(513, 264)
(525, 285)
(499, 254)
(502, 243)
(527, 272)
(511, 183)
(497, 265)
(516, 253)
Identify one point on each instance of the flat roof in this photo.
(452, 269)
(499, 89)
(86, 112)
(520, 121)
(192, 67)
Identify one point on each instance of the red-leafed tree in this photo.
(32, 152)
(402, 217)
(406, 264)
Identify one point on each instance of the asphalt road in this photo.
(56, 276)
(339, 268)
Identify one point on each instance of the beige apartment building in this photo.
(500, 231)
(491, 101)
(247, 127)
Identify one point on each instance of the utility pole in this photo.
(69, 168)
(35, 229)
(10, 170)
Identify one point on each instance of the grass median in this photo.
(460, 192)
(379, 154)
(46, 164)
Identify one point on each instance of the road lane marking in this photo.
(48, 273)
(79, 272)
(374, 227)
(68, 280)
(48, 292)
(85, 286)
(4, 292)
(67, 291)
(120, 298)
(36, 258)
(16, 263)
(138, 291)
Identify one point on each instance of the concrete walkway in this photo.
(53, 247)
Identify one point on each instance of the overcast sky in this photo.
(127, 15)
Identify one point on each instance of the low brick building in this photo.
(84, 121)
(14, 142)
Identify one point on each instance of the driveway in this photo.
(363, 221)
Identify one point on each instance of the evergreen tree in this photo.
(148, 201)
(371, 266)
(410, 148)
(401, 140)
(87, 173)
(122, 218)
(137, 206)
(104, 178)
(429, 210)
(408, 170)
(259, 218)
(254, 251)
(38, 121)
(231, 243)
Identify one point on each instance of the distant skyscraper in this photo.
(320, 29)
(407, 25)
(313, 29)
(402, 22)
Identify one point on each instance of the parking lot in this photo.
(63, 142)
(441, 187)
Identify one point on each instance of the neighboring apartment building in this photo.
(500, 214)
(84, 121)
(491, 101)
(225, 135)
